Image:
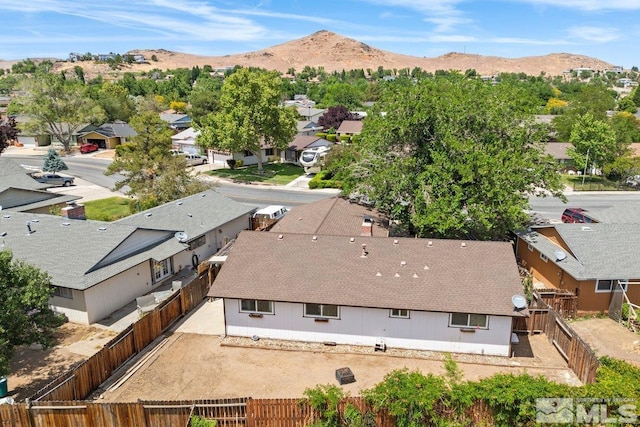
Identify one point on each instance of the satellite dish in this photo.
(560, 255)
(519, 301)
(181, 236)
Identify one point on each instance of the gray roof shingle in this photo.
(598, 251)
(480, 277)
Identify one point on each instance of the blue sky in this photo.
(604, 29)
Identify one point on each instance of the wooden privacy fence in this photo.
(84, 379)
(227, 412)
(579, 356)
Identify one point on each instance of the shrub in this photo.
(331, 137)
(196, 421)
(345, 138)
(325, 400)
(323, 180)
(321, 135)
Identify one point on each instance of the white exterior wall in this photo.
(215, 240)
(74, 308)
(118, 291)
(363, 326)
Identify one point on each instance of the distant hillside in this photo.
(335, 53)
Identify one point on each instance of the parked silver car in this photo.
(53, 179)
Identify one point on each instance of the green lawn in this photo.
(274, 173)
(592, 183)
(108, 209)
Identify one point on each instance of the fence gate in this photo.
(617, 298)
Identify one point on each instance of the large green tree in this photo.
(249, 115)
(25, 317)
(56, 107)
(453, 158)
(593, 143)
(152, 174)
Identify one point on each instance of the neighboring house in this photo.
(558, 150)
(247, 158)
(310, 113)
(177, 122)
(301, 143)
(21, 193)
(334, 216)
(440, 295)
(586, 259)
(30, 138)
(306, 127)
(98, 267)
(108, 135)
(74, 137)
(349, 128)
(186, 141)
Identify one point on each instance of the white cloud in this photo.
(442, 13)
(594, 34)
(588, 5)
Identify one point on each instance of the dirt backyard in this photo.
(194, 366)
(607, 338)
(32, 368)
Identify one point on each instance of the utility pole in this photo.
(586, 162)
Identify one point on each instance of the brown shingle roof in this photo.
(350, 126)
(300, 142)
(480, 277)
(334, 216)
(558, 150)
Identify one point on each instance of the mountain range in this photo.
(335, 53)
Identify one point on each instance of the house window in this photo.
(321, 310)
(196, 243)
(161, 269)
(268, 152)
(256, 306)
(399, 313)
(63, 292)
(610, 285)
(543, 257)
(530, 248)
(468, 320)
(248, 153)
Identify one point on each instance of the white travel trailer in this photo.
(313, 159)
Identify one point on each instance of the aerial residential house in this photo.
(335, 216)
(245, 158)
(593, 261)
(108, 135)
(310, 113)
(186, 141)
(99, 267)
(28, 137)
(307, 127)
(21, 193)
(177, 122)
(440, 295)
(301, 143)
(349, 128)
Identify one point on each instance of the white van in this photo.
(271, 212)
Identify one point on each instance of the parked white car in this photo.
(195, 159)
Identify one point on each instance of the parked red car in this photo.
(88, 148)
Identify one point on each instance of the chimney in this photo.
(73, 211)
(367, 226)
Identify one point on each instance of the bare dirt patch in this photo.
(193, 366)
(32, 368)
(607, 338)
